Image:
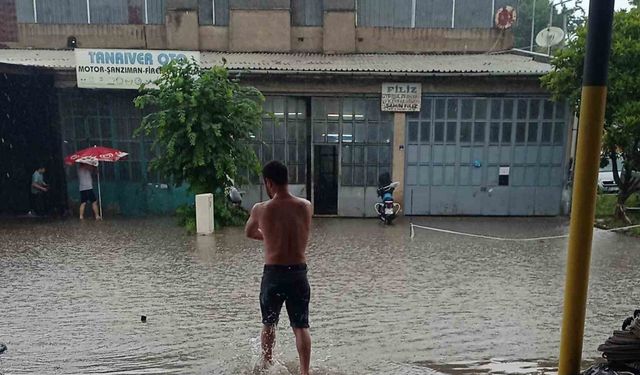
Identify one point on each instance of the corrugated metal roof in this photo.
(471, 64)
(380, 63)
(45, 58)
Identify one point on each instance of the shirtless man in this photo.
(283, 224)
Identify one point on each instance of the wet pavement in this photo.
(71, 297)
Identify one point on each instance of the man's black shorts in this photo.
(87, 196)
(289, 285)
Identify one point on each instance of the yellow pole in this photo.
(592, 109)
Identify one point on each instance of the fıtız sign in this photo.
(401, 97)
(123, 68)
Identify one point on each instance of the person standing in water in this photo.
(283, 223)
(85, 184)
(38, 190)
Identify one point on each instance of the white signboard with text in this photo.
(401, 97)
(123, 68)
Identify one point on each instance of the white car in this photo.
(606, 183)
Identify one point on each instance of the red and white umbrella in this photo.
(93, 156)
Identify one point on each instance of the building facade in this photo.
(482, 139)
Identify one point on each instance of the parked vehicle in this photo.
(606, 182)
(387, 209)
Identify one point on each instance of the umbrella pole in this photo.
(99, 193)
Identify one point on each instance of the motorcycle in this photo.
(387, 209)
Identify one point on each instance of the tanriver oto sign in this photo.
(401, 97)
(123, 68)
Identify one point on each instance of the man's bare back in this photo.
(284, 225)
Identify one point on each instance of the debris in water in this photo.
(3, 348)
(143, 318)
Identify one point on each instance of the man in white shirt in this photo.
(85, 183)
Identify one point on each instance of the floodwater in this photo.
(71, 297)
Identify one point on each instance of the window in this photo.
(365, 135)
(521, 129)
(465, 132)
(67, 11)
(494, 133)
(496, 105)
(425, 13)
(467, 109)
(425, 132)
(111, 11)
(522, 109)
(546, 132)
(115, 11)
(473, 14)
(306, 12)
(213, 12)
(284, 136)
(481, 109)
(24, 11)
(439, 132)
(413, 132)
(109, 123)
(385, 13)
(532, 136)
(155, 11)
(479, 131)
(558, 133)
(451, 132)
(507, 109)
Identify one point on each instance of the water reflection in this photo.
(72, 296)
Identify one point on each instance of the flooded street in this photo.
(72, 294)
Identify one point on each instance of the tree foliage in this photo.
(522, 29)
(202, 123)
(622, 116)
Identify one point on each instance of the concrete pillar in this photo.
(399, 126)
(339, 30)
(182, 26)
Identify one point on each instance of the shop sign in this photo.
(123, 68)
(401, 97)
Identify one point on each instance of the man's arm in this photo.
(252, 229)
(309, 216)
(38, 186)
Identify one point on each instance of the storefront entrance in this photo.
(325, 180)
(28, 140)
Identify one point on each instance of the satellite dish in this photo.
(549, 37)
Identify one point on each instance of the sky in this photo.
(620, 4)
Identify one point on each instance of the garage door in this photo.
(485, 156)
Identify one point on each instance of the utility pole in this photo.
(552, 7)
(592, 109)
(533, 25)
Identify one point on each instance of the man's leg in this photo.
(96, 212)
(34, 208)
(83, 205)
(303, 344)
(268, 340)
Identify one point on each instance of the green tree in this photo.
(622, 116)
(522, 29)
(202, 123)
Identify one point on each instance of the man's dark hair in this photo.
(276, 172)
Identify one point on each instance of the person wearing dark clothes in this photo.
(38, 190)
